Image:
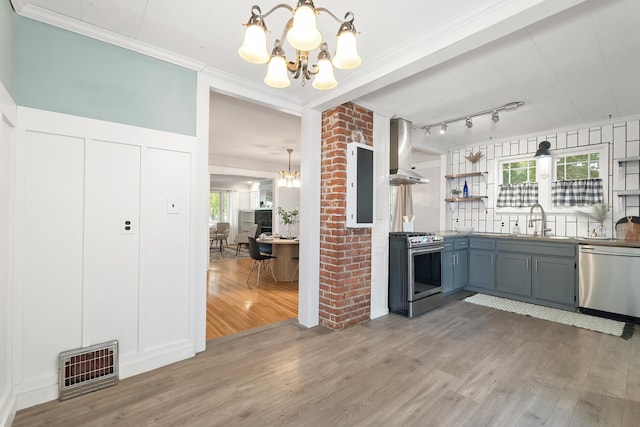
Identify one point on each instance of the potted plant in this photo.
(598, 213)
(288, 218)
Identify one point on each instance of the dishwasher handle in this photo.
(592, 250)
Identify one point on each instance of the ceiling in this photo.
(570, 61)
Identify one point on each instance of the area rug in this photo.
(585, 321)
(228, 252)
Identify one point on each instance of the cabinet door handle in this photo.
(492, 260)
(527, 264)
(536, 264)
(455, 259)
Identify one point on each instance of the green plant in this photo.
(597, 212)
(288, 217)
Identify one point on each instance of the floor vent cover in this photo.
(87, 369)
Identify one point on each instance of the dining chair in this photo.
(223, 230)
(260, 261)
(243, 238)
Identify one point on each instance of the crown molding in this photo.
(17, 5)
(82, 28)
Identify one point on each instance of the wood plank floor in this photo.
(233, 306)
(459, 365)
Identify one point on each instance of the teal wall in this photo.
(58, 70)
(7, 47)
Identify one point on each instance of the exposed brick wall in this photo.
(345, 253)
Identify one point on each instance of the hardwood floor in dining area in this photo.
(235, 306)
(459, 365)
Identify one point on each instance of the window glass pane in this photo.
(580, 166)
(214, 207)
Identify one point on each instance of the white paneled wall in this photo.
(81, 277)
(622, 139)
(7, 148)
(111, 253)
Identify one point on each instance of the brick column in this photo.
(345, 253)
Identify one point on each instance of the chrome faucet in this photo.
(543, 220)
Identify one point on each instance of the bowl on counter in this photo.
(464, 230)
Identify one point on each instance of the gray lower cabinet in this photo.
(553, 279)
(455, 264)
(482, 266)
(537, 271)
(514, 273)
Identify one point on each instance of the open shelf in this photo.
(628, 193)
(627, 159)
(465, 175)
(467, 199)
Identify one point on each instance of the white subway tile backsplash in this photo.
(561, 141)
(498, 151)
(607, 133)
(632, 181)
(626, 177)
(633, 130)
(583, 137)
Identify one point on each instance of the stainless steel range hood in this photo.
(401, 171)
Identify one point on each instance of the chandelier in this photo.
(289, 179)
(301, 32)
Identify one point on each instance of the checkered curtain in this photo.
(577, 192)
(518, 195)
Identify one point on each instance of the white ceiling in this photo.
(570, 61)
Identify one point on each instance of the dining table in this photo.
(285, 264)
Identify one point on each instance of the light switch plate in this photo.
(172, 207)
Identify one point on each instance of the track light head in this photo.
(443, 129)
(495, 117)
(427, 131)
(468, 123)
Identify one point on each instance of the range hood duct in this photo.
(400, 170)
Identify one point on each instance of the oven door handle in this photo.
(428, 250)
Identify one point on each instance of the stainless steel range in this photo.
(415, 272)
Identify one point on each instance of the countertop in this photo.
(551, 239)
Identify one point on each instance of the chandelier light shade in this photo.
(304, 34)
(277, 75)
(254, 47)
(495, 117)
(301, 32)
(287, 178)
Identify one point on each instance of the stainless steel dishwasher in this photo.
(609, 279)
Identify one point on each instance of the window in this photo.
(578, 181)
(580, 166)
(519, 172)
(218, 207)
(571, 178)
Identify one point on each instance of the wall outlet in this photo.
(126, 226)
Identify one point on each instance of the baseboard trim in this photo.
(129, 367)
(7, 408)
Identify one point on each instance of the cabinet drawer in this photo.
(551, 249)
(461, 244)
(478, 243)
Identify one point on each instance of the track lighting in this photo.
(468, 122)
